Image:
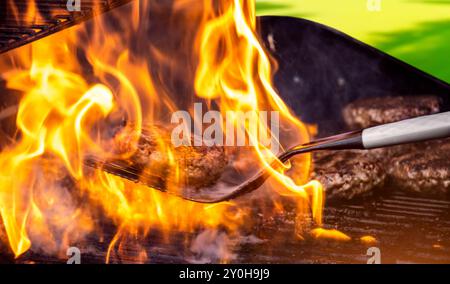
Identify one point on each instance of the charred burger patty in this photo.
(347, 174)
(374, 111)
(422, 167)
(194, 166)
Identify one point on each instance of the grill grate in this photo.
(408, 229)
(53, 17)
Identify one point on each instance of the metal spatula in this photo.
(407, 131)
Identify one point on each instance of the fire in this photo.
(331, 234)
(48, 196)
(240, 77)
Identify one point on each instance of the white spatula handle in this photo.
(407, 131)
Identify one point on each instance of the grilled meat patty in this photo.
(347, 174)
(374, 111)
(201, 165)
(195, 166)
(422, 167)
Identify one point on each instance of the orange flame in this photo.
(242, 80)
(63, 113)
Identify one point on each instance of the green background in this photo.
(415, 31)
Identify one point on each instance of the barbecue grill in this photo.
(55, 17)
(320, 71)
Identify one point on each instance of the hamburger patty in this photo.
(201, 165)
(195, 166)
(374, 111)
(422, 167)
(347, 174)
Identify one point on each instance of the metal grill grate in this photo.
(408, 229)
(53, 17)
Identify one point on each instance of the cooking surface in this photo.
(408, 229)
(316, 83)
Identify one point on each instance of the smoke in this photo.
(212, 246)
(56, 219)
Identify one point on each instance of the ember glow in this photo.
(49, 199)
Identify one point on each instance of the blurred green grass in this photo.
(415, 31)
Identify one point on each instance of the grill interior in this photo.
(54, 17)
(408, 229)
